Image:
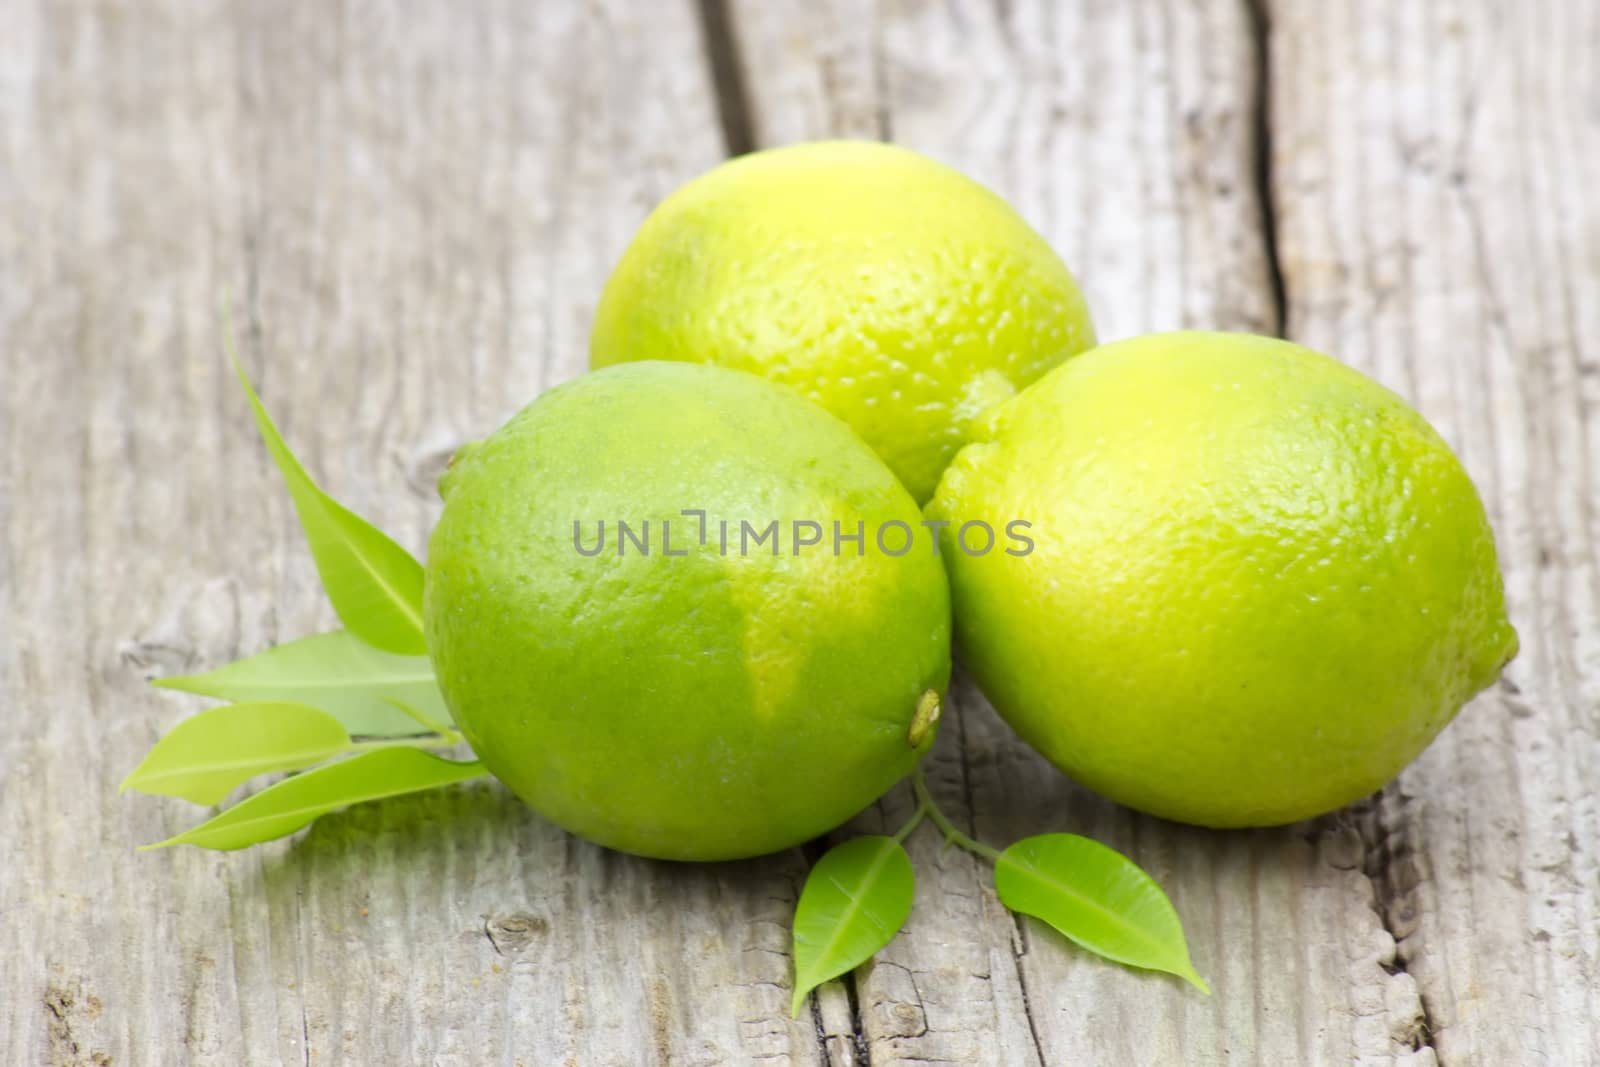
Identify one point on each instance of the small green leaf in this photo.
(374, 584)
(281, 809)
(338, 672)
(207, 756)
(855, 900)
(1097, 897)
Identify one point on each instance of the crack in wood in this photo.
(821, 1030)
(1019, 949)
(727, 77)
(1383, 863)
(858, 1032)
(1261, 147)
(883, 115)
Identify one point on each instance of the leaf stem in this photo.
(925, 805)
(912, 823)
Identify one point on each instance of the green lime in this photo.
(1259, 582)
(900, 295)
(714, 680)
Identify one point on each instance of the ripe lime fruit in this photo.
(900, 295)
(1260, 583)
(727, 694)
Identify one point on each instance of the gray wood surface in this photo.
(413, 207)
(1434, 173)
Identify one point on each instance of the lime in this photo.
(899, 294)
(1259, 583)
(722, 668)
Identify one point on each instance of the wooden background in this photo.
(415, 204)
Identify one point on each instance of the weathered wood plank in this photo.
(1126, 133)
(1435, 167)
(413, 207)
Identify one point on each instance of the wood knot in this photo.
(155, 658)
(425, 468)
(67, 1005)
(511, 934)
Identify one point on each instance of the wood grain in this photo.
(1434, 172)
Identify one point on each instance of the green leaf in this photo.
(855, 900)
(281, 809)
(1097, 897)
(207, 756)
(374, 584)
(338, 672)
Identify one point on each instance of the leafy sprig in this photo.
(352, 710)
(859, 894)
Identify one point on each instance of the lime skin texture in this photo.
(1261, 584)
(701, 706)
(894, 291)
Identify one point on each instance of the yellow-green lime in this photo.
(899, 294)
(684, 690)
(1261, 583)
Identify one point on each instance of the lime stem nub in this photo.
(924, 719)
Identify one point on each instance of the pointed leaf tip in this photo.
(208, 755)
